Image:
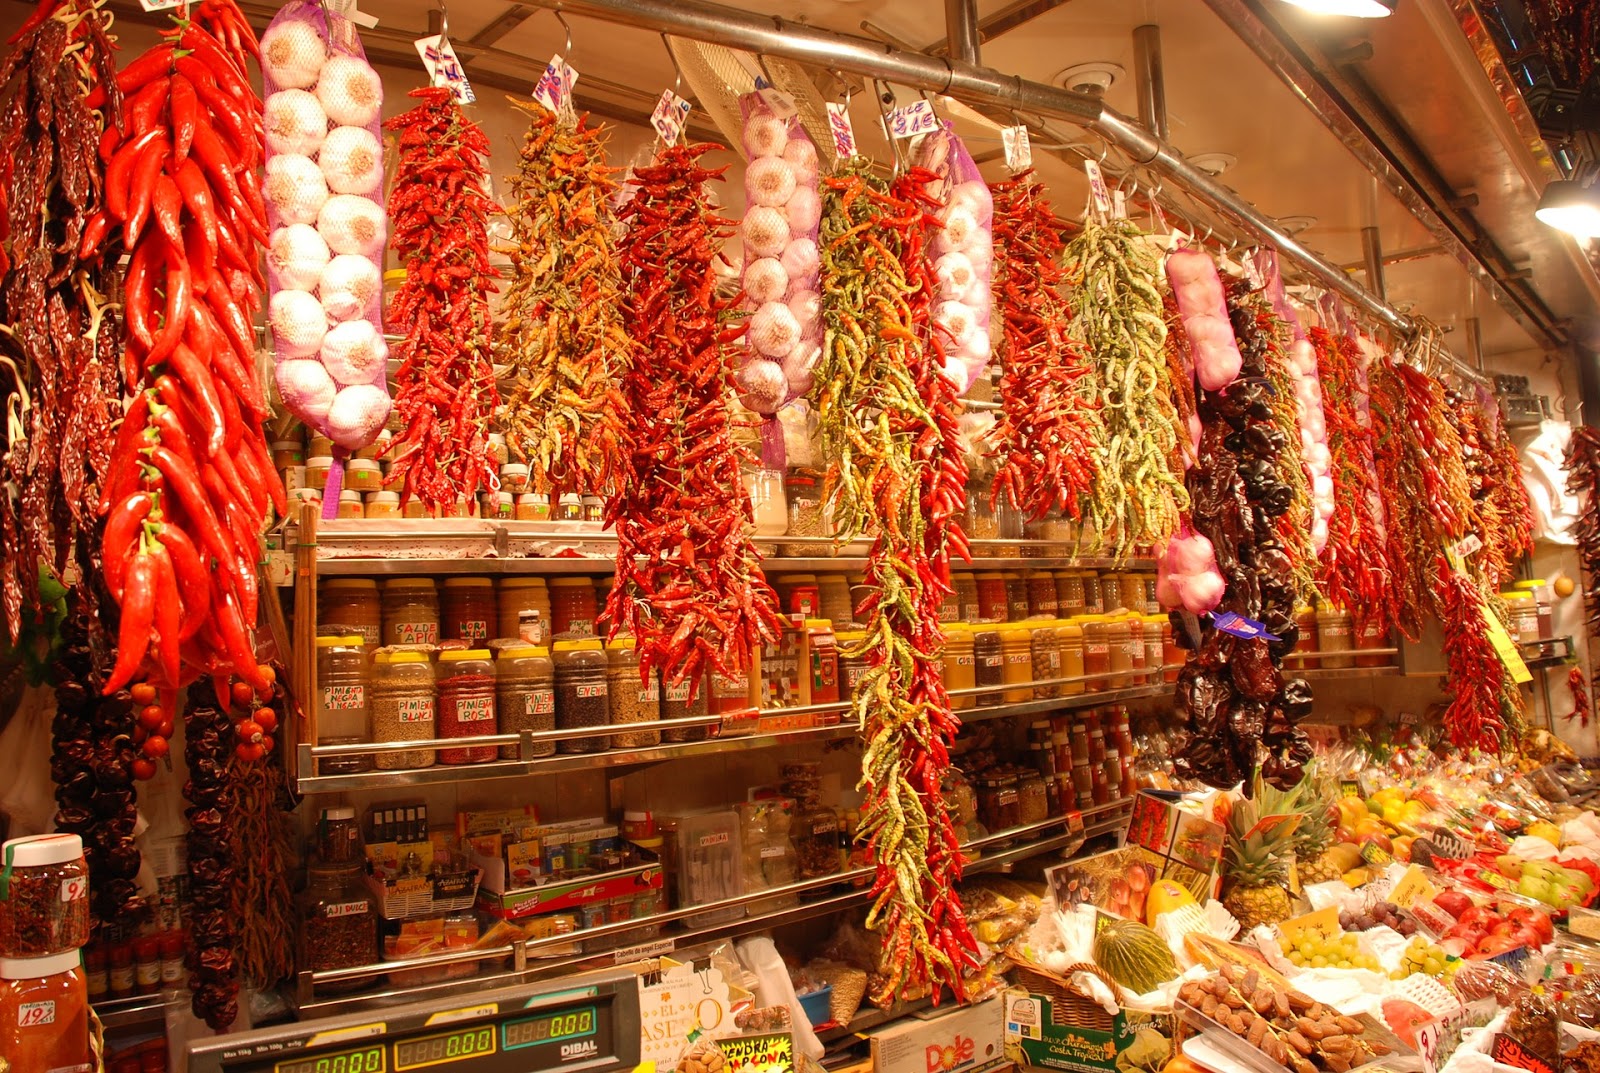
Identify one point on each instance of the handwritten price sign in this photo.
(555, 85)
(912, 120)
(1019, 151)
(844, 135)
(444, 68)
(672, 111)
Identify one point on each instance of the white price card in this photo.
(554, 89)
(1097, 186)
(159, 5)
(1019, 150)
(671, 113)
(914, 119)
(844, 135)
(1119, 205)
(444, 67)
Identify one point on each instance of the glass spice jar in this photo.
(573, 608)
(349, 605)
(44, 1015)
(343, 716)
(1334, 636)
(833, 599)
(1069, 646)
(350, 505)
(582, 697)
(568, 508)
(999, 803)
(466, 706)
(1033, 799)
(967, 596)
(525, 696)
(516, 595)
(1046, 657)
(982, 521)
(959, 665)
(853, 667)
(1042, 601)
(988, 667)
(1092, 602)
(632, 700)
(1119, 638)
(1154, 647)
(814, 833)
(467, 609)
(338, 922)
(402, 707)
(993, 605)
(1370, 632)
(1016, 596)
(1069, 593)
(1096, 652)
(769, 510)
(1305, 620)
(677, 703)
(410, 611)
(44, 896)
(807, 517)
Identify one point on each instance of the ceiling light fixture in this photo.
(1571, 205)
(1356, 9)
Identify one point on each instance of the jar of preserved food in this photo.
(1083, 783)
(1305, 619)
(1522, 614)
(594, 508)
(769, 510)
(1111, 594)
(286, 453)
(582, 697)
(803, 492)
(822, 659)
(466, 703)
(44, 903)
(317, 470)
(1069, 593)
(519, 594)
(966, 586)
(568, 507)
(339, 835)
(1069, 645)
(363, 475)
(573, 608)
(1132, 591)
(402, 707)
(959, 798)
(514, 478)
(1016, 596)
(1033, 799)
(999, 803)
(1370, 632)
(631, 700)
(988, 666)
(1172, 656)
(501, 506)
(1041, 594)
(1543, 602)
(467, 609)
(410, 611)
(349, 605)
(814, 833)
(1334, 636)
(1154, 646)
(350, 506)
(1016, 648)
(676, 703)
(833, 599)
(1136, 662)
(382, 506)
(853, 667)
(982, 521)
(525, 696)
(414, 508)
(44, 1014)
(1152, 604)
(532, 507)
(496, 453)
(342, 703)
(1092, 603)
(959, 670)
(802, 595)
(1096, 652)
(993, 603)
(338, 922)
(727, 693)
(1119, 636)
(1045, 655)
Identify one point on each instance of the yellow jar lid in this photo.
(1013, 631)
(394, 275)
(403, 583)
(362, 584)
(591, 645)
(1038, 573)
(458, 655)
(955, 627)
(622, 642)
(525, 652)
(1531, 583)
(381, 657)
(819, 623)
(468, 583)
(572, 583)
(1156, 618)
(1071, 624)
(402, 657)
(1305, 609)
(346, 641)
(802, 579)
(1093, 618)
(523, 583)
(852, 636)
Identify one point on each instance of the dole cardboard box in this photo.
(1033, 1037)
(964, 1040)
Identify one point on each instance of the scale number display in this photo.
(366, 1059)
(569, 1024)
(422, 1051)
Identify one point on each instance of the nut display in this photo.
(1287, 1026)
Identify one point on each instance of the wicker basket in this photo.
(1070, 1007)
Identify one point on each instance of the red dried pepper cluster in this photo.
(1478, 681)
(1353, 570)
(445, 385)
(1581, 708)
(688, 581)
(1049, 426)
(1505, 511)
(191, 478)
(209, 743)
(1583, 481)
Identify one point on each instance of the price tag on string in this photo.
(1098, 193)
(913, 120)
(1239, 626)
(1468, 545)
(1019, 150)
(159, 5)
(844, 135)
(348, 9)
(444, 67)
(554, 89)
(1119, 205)
(671, 113)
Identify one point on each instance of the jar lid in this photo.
(34, 851)
(460, 655)
(468, 583)
(355, 641)
(36, 968)
(338, 812)
(991, 575)
(819, 623)
(537, 497)
(361, 463)
(381, 657)
(319, 462)
(622, 642)
(1031, 574)
(649, 843)
(590, 645)
(1014, 631)
(1011, 575)
(287, 445)
(1156, 618)
(363, 584)
(571, 582)
(1531, 583)
(514, 467)
(570, 498)
(593, 499)
(385, 497)
(406, 657)
(522, 583)
(402, 583)
(497, 437)
(348, 496)
(395, 275)
(335, 869)
(525, 652)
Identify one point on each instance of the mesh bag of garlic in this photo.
(961, 249)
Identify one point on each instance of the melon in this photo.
(1134, 956)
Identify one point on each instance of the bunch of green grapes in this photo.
(1342, 951)
(1425, 957)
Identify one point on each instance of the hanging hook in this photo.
(562, 19)
(885, 99)
(677, 72)
(444, 25)
(1208, 235)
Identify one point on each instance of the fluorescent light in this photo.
(1358, 9)
(1570, 206)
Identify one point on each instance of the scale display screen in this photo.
(568, 1024)
(368, 1058)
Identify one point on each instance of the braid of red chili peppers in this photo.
(1506, 493)
(688, 579)
(1049, 429)
(1581, 708)
(1478, 681)
(446, 390)
(1180, 385)
(1583, 481)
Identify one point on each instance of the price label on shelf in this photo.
(1323, 924)
(671, 113)
(844, 135)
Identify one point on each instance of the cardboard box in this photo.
(497, 900)
(1188, 845)
(963, 1040)
(1033, 1036)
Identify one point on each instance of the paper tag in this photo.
(781, 103)
(1323, 924)
(671, 113)
(1019, 150)
(1506, 649)
(844, 135)
(444, 67)
(1178, 239)
(1427, 1043)
(1119, 205)
(1467, 545)
(914, 119)
(159, 5)
(1239, 626)
(1097, 186)
(554, 89)
(1412, 888)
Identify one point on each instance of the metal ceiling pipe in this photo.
(961, 30)
(1150, 82)
(1372, 260)
(976, 86)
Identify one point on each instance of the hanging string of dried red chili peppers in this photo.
(688, 579)
(1478, 683)
(563, 330)
(1582, 709)
(1048, 435)
(1353, 568)
(209, 743)
(885, 403)
(1504, 504)
(445, 386)
(1583, 481)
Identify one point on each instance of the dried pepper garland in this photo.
(59, 345)
(563, 331)
(213, 928)
(1048, 436)
(1582, 709)
(1482, 693)
(446, 389)
(1180, 381)
(1119, 316)
(1583, 481)
(688, 579)
(1503, 502)
(262, 840)
(882, 396)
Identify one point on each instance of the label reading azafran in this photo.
(540, 702)
(414, 709)
(475, 710)
(344, 698)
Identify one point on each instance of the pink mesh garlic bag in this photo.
(962, 251)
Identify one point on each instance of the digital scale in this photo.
(587, 1023)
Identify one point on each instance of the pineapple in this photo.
(1314, 834)
(1255, 877)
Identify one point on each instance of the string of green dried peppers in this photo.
(689, 585)
(890, 412)
(563, 332)
(1119, 316)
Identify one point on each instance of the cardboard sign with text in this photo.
(683, 1001)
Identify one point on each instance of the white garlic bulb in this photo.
(959, 321)
(294, 122)
(804, 211)
(350, 91)
(766, 232)
(765, 135)
(351, 161)
(765, 280)
(802, 156)
(762, 385)
(773, 330)
(349, 286)
(769, 180)
(956, 276)
(292, 55)
(294, 188)
(352, 224)
(297, 255)
(354, 352)
(297, 322)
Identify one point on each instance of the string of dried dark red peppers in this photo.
(1583, 481)
(882, 396)
(688, 579)
(1048, 436)
(445, 390)
(208, 749)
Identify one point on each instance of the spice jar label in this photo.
(74, 887)
(825, 828)
(580, 627)
(678, 694)
(344, 698)
(992, 661)
(474, 629)
(36, 1014)
(540, 702)
(964, 661)
(650, 695)
(416, 633)
(768, 852)
(346, 909)
(589, 692)
(1019, 657)
(414, 709)
(854, 675)
(474, 709)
